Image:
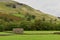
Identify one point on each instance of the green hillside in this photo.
(13, 13)
(20, 10)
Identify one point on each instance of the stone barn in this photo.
(18, 30)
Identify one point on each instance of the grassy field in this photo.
(31, 35)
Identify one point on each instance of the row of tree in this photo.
(29, 25)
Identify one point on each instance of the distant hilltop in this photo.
(5, 0)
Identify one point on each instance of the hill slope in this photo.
(20, 11)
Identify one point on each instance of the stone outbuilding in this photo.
(18, 30)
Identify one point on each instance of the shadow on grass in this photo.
(31, 33)
(36, 34)
(5, 34)
(10, 33)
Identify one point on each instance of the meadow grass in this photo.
(32, 35)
